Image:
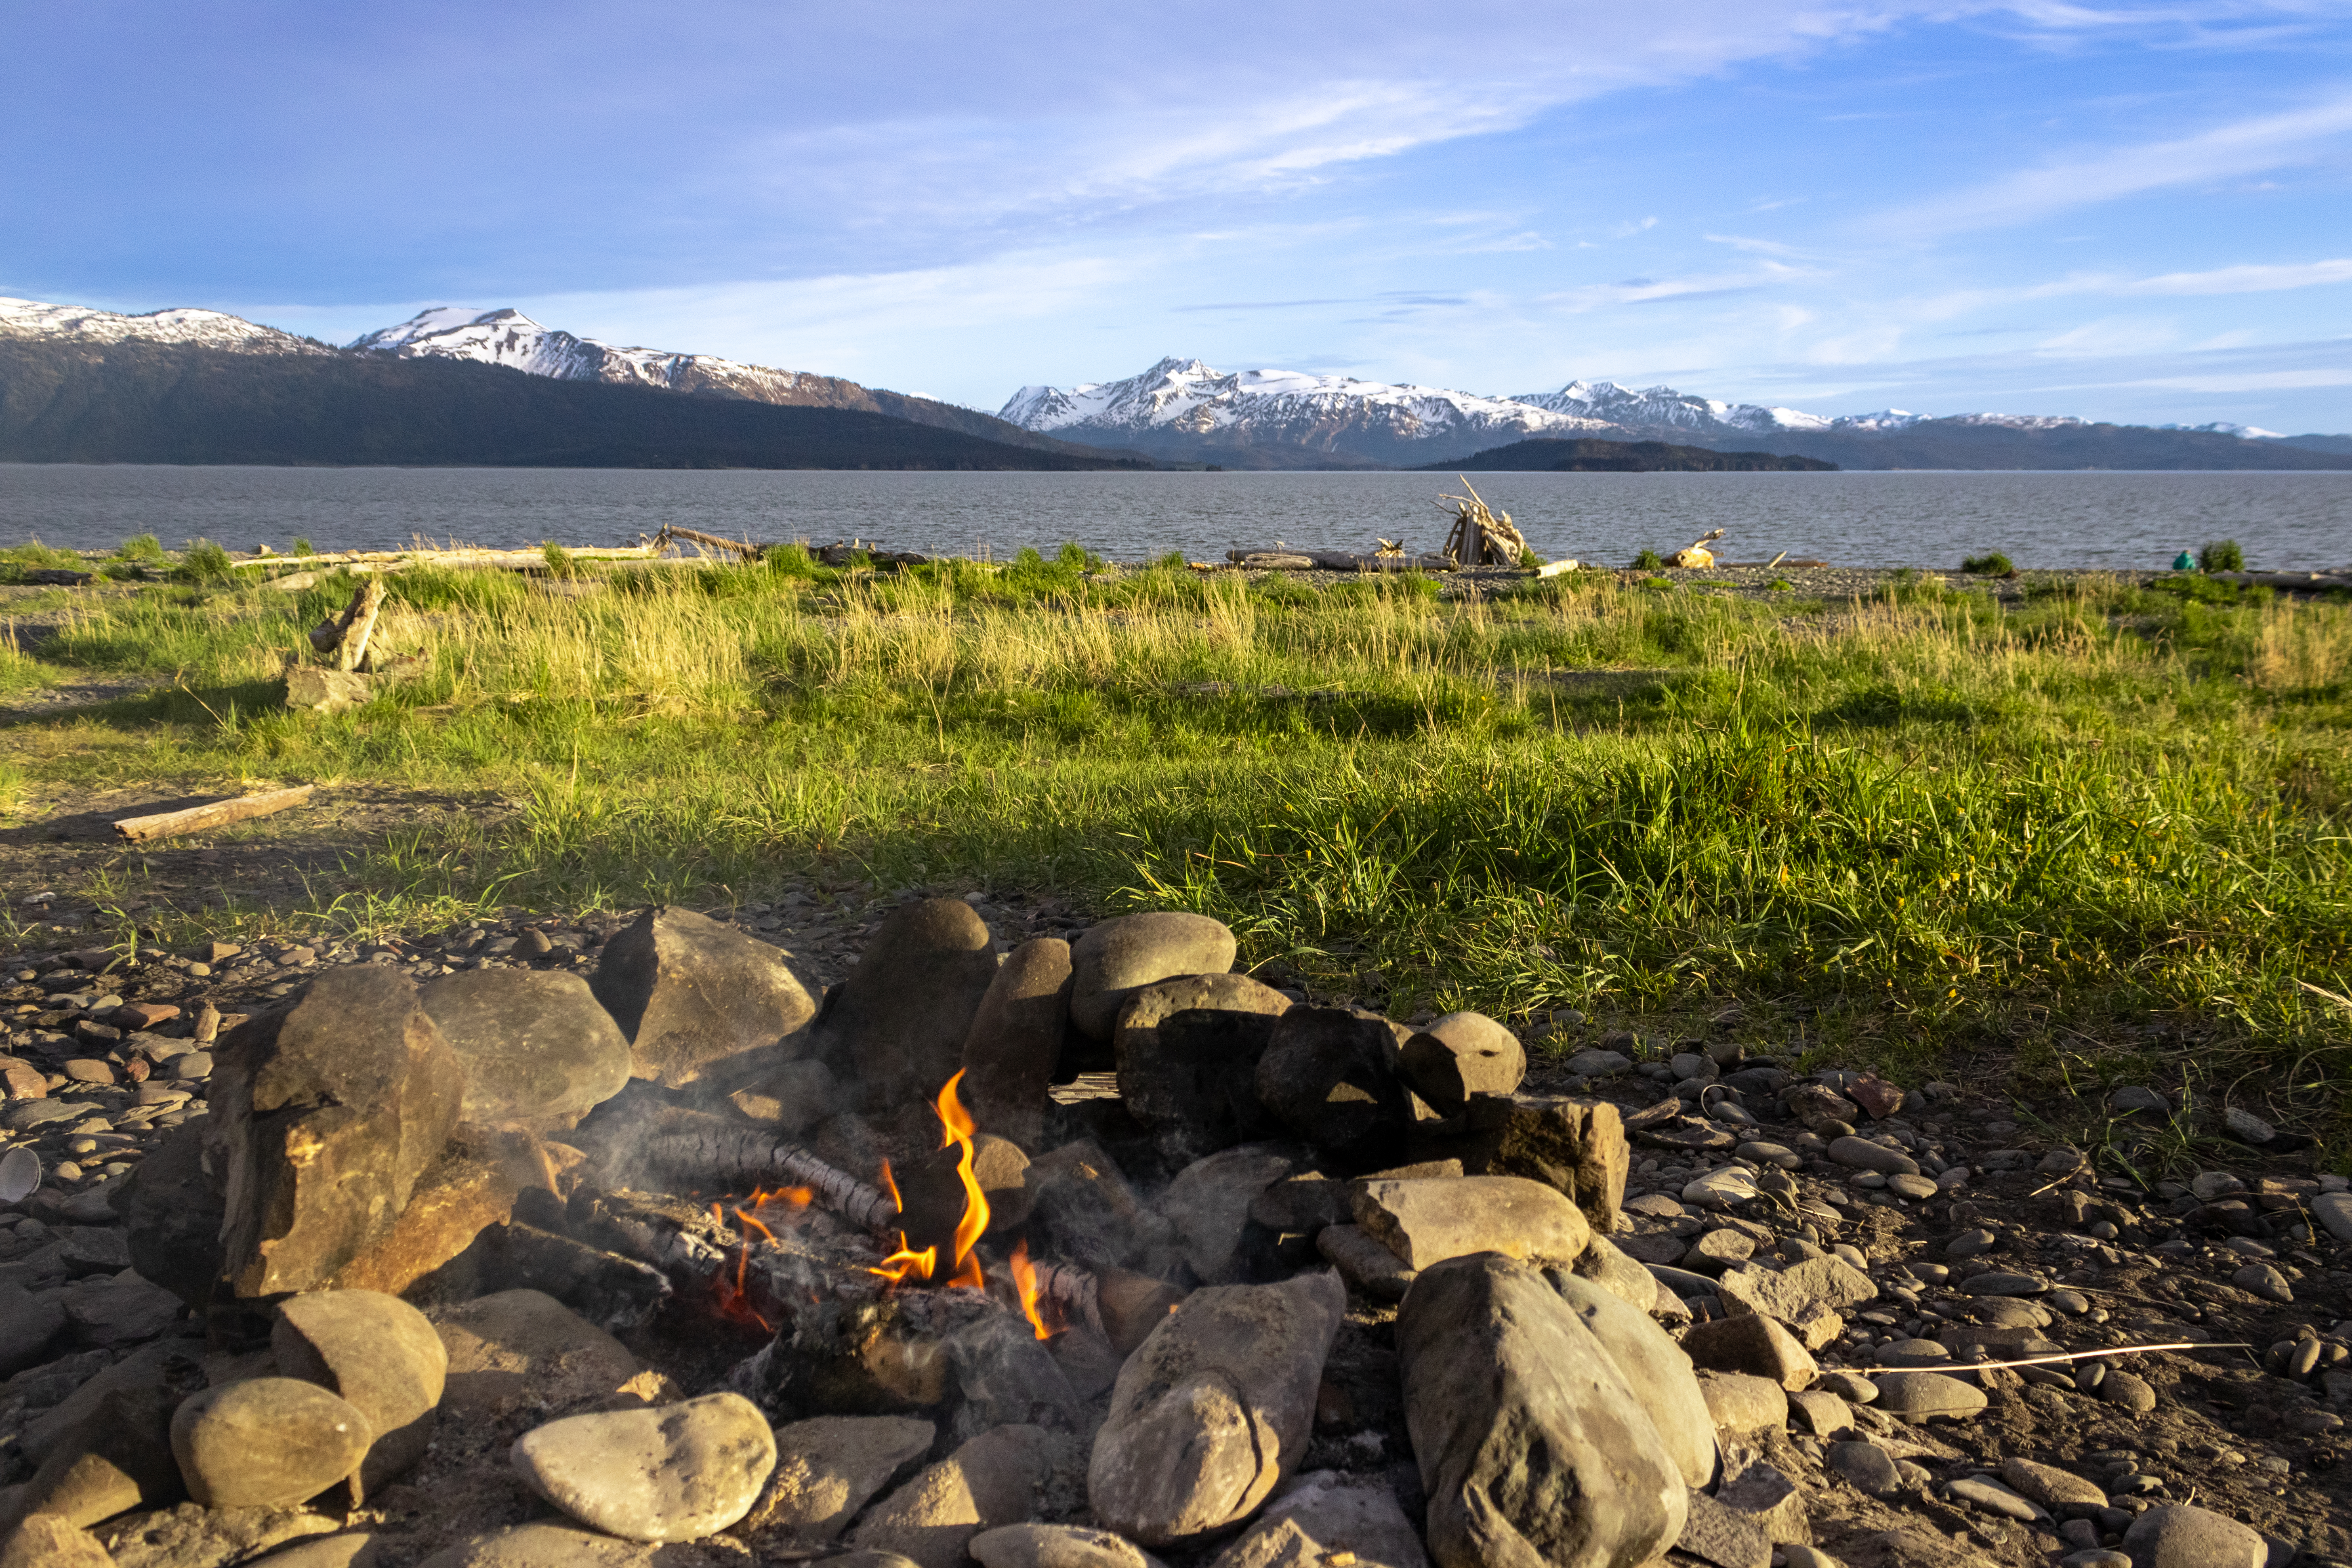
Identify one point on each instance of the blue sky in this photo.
(2138, 212)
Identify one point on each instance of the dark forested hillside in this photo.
(147, 402)
(1555, 455)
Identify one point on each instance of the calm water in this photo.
(2289, 520)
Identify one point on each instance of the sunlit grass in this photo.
(1898, 825)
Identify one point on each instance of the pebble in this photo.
(1995, 1498)
(676, 1472)
(1919, 1187)
(2130, 1098)
(1850, 1386)
(1866, 1464)
(1913, 1354)
(2263, 1279)
(1862, 1154)
(2130, 1392)
(1915, 1395)
(1999, 1282)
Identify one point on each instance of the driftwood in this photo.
(1481, 536)
(1335, 561)
(220, 814)
(1695, 556)
(671, 533)
(2289, 582)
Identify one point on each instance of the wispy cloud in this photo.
(2242, 147)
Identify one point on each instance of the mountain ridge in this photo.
(1180, 408)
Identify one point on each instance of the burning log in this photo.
(702, 1145)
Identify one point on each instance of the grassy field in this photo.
(2100, 834)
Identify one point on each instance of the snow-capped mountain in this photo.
(198, 329)
(512, 339)
(1662, 412)
(1281, 417)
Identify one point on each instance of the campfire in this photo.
(1100, 1234)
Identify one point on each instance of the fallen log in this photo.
(220, 814)
(2287, 582)
(1336, 560)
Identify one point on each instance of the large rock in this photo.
(896, 1027)
(1016, 1038)
(473, 1186)
(991, 1480)
(1576, 1145)
(1425, 1222)
(1532, 1447)
(674, 1472)
(1796, 1292)
(2176, 1535)
(376, 1351)
(520, 1347)
(45, 1541)
(827, 1469)
(539, 1049)
(1327, 1518)
(692, 993)
(1209, 1204)
(1188, 1050)
(1451, 1058)
(1113, 959)
(327, 1112)
(1329, 1076)
(1741, 1404)
(191, 1536)
(266, 1442)
(30, 1327)
(164, 1361)
(1654, 1368)
(118, 1459)
(1752, 1344)
(172, 1212)
(1082, 1207)
(1213, 1410)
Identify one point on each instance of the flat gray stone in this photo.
(1917, 1396)
(1740, 1404)
(673, 1472)
(1996, 1498)
(2334, 1211)
(1427, 1222)
(2264, 1281)
(827, 1469)
(1796, 1292)
(2000, 1282)
(1862, 1154)
(2050, 1485)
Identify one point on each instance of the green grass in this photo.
(2097, 836)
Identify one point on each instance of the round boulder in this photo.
(1460, 1055)
(266, 1442)
(376, 1351)
(1113, 959)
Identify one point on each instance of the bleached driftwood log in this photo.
(219, 813)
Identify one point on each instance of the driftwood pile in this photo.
(1482, 536)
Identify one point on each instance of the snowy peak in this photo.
(1662, 411)
(1185, 400)
(509, 338)
(198, 329)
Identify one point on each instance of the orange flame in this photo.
(960, 1128)
(907, 1262)
(734, 1299)
(1024, 1280)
